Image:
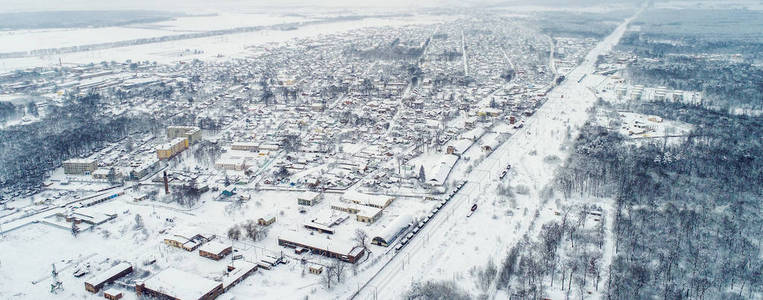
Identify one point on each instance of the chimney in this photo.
(166, 186)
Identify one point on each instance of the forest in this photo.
(582, 25)
(77, 129)
(712, 51)
(687, 216)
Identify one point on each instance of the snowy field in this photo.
(208, 48)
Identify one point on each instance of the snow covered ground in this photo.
(209, 48)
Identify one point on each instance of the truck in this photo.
(471, 211)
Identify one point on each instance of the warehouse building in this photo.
(238, 272)
(378, 201)
(80, 166)
(215, 250)
(175, 284)
(309, 198)
(245, 146)
(365, 214)
(318, 244)
(95, 283)
(392, 231)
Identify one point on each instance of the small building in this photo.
(175, 284)
(80, 166)
(215, 250)
(95, 283)
(266, 220)
(309, 198)
(368, 214)
(315, 269)
(112, 294)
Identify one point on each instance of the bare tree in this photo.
(253, 230)
(234, 233)
(361, 239)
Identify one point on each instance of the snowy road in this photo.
(451, 244)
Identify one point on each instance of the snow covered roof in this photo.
(390, 232)
(241, 269)
(104, 276)
(460, 145)
(367, 199)
(319, 241)
(181, 285)
(214, 247)
(308, 195)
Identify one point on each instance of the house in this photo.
(266, 220)
(112, 294)
(175, 284)
(458, 146)
(95, 283)
(309, 198)
(215, 250)
(315, 269)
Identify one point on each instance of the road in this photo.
(463, 50)
(551, 61)
(424, 253)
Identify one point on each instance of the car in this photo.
(398, 247)
(426, 219)
(421, 224)
(416, 230)
(409, 236)
(404, 241)
(435, 210)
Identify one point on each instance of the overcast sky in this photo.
(200, 6)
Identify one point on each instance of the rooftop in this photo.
(180, 284)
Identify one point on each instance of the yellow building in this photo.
(192, 133)
(172, 148)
